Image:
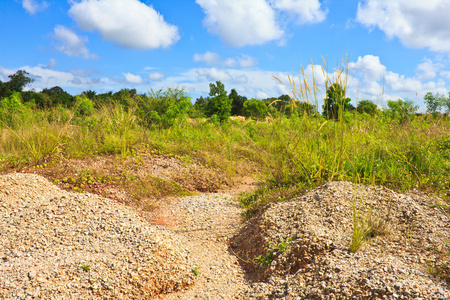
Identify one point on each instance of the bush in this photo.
(219, 104)
(13, 113)
(255, 109)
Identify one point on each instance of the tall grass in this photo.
(289, 155)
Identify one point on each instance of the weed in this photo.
(195, 271)
(85, 268)
(267, 259)
(361, 225)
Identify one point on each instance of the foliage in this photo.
(335, 102)
(255, 109)
(367, 106)
(17, 82)
(267, 258)
(219, 104)
(237, 103)
(57, 96)
(163, 108)
(13, 113)
(433, 102)
(85, 105)
(401, 110)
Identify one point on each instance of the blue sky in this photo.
(395, 48)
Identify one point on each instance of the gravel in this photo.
(318, 228)
(60, 245)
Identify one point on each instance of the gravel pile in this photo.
(60, 245)
(316, 230)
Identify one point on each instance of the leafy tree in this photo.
(58, 97)
(335, 102)
(17, 82)
(237, 103)
(367, 106)
(401, 110)
(201, 103)
(90, 94)
(13, 112)
(163, 108)
(255, 109)
(434, 103)
(219, 104)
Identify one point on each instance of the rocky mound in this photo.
(300, 248)
(55, 244)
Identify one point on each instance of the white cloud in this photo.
(304, 11)
(262, 95)
(213, 74)
(210, 58)
(246, 61)
(239, 23)
(417, 24)
(70, 43)
(214, 59)
(33, 6)
(379, 84)
(428, 69)
(369, 67)
(47, 78)
(156, 76)
(254, 22)
(52, 63)
(129, 23)
(133, 78)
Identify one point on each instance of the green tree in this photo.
(219, 104)
(367, 106)
(401, 110)
(58, 97)
(335, 102)
(237, 103)
(434, 103)
(201, 103)
(17, 82)
(254, 108)
(163, 108)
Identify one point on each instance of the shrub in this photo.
(255, 109)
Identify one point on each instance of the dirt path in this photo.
(207, 221)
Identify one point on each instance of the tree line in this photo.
(164, 107)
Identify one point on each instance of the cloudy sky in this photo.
(395, 48)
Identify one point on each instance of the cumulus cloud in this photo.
(369, 67)
(70, 43)
(214, 59)
(239, 23)
(374, 82)
(45, 78)
(428, 69)
(417, 24)
(245, 61)
(129, 23)
(32, 6)
(213, 74)
(254, 22)
(131, 78)
(210, 58)
(304, 11)
(156, 76)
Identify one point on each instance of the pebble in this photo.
(57, 245)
